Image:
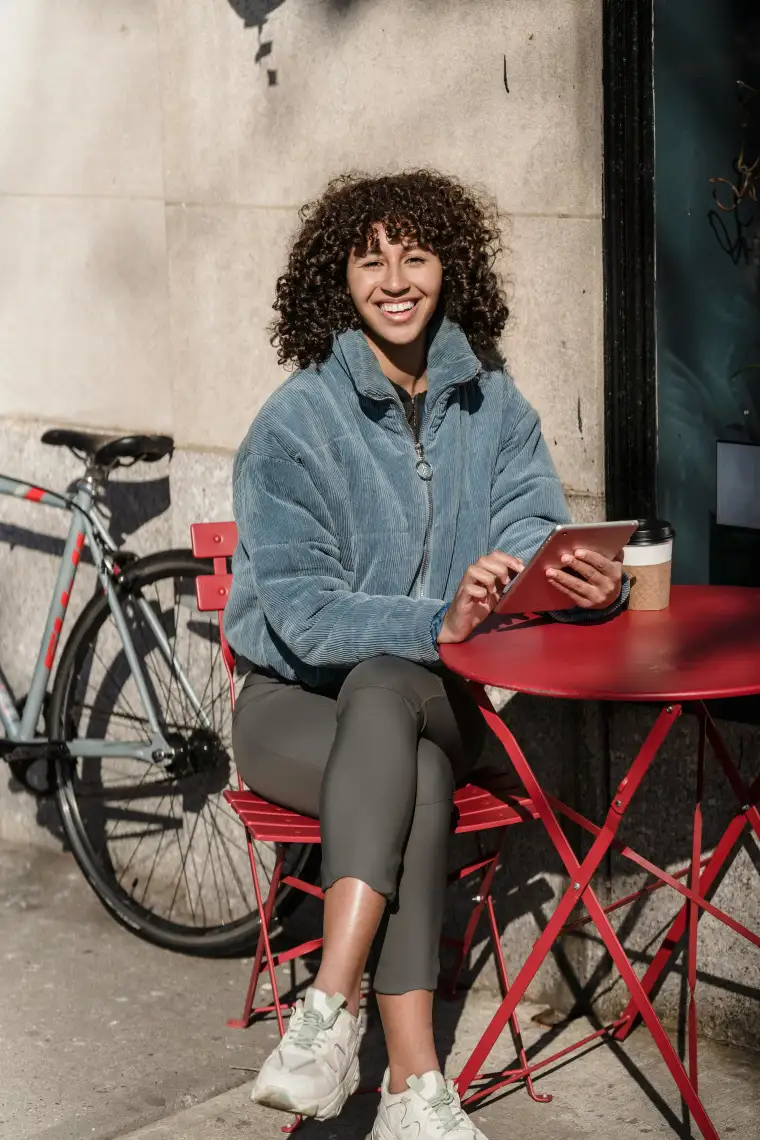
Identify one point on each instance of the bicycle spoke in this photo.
(139, 785)
(210, 857)
(139, 843)
(107, 676)
(174, 642)
(154, 864)
(219, 835)
(191, 856)
(183, 862)
(205, 863)
(215, 836)
(155, 671)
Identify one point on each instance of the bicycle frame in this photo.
(87, 528)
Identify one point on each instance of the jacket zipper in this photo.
(425, 472)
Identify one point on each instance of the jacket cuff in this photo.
(437, 622)
(579, 616)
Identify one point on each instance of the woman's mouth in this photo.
(398, 311)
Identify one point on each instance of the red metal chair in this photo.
(476, 810)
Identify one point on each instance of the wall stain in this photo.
(580, 417)
(506, 78)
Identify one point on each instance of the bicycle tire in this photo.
(222, 939)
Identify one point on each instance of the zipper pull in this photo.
(422, 467)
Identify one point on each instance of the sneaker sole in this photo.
(275, 1096)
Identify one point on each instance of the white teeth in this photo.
(403, 307)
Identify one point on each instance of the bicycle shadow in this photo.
(129, 506)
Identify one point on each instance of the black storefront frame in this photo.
(630, 322)
(630, 353)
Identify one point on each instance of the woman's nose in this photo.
(394, 281)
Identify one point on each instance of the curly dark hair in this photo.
(458, 224)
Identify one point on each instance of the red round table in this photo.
(705, 646)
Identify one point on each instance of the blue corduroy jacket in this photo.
(351, 538)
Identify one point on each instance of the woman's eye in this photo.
(416, 259)
(370, 264)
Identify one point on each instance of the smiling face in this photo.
(395, 288)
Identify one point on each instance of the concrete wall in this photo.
(151, 169)
(153, 154)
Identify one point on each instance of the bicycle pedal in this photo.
(29, 752)
(32, 765)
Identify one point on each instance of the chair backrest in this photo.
(216, 541)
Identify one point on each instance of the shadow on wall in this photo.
(129, 506)
(254, 14)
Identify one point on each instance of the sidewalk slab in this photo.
(594, 1096)
(103, 1036)
(101, 1032)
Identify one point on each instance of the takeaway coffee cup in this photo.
(647, 561)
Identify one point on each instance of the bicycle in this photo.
(137, 726)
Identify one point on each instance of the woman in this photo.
(384, 495)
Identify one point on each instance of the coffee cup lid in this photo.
(650, 531)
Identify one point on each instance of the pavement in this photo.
(103, 1036)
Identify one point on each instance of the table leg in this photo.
(748, 798)
(581, 874)
(696, 856)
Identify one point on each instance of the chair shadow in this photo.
(583, 973)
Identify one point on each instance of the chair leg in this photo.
(514, 1022)
(481, 899)
(466, 942)
(263, 947)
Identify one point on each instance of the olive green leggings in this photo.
(377, 762)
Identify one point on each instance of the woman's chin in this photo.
(398, 335)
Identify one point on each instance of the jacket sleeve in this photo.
(304, 591)
(527, 502)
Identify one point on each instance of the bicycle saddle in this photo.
(110, 451)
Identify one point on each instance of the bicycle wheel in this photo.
(158, 843)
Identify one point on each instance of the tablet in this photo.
(532, 593)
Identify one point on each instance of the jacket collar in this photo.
(451, 361)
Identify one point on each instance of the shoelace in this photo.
(449, 1118)
(306, 1033)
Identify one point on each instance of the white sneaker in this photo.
(315, 1067)
(428, 1111)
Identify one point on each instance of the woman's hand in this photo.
(595, 582)
(477, 594)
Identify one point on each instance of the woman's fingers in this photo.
(494, 568)
(577, 586)
(478, 592)
(584, 602)
(593, 565)
(485, 578)
(590, 579)
(507, 562)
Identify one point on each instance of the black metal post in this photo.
(629, 261)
